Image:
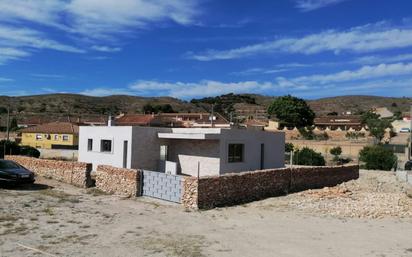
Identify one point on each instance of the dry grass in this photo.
(175, 245)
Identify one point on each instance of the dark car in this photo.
(13, 173)
(408, 165)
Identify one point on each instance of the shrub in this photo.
(307, 156)
(377, 158)
(336, 151)
(289, 147)
(355, 135)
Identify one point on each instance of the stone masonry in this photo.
(75, 173)
(119, 181)
(230, 189)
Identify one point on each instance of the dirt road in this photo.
(67, 221)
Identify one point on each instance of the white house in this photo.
(191, 151)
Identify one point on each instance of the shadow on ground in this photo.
(26, 187)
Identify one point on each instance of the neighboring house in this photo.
(255, 124)
(53, 135)
(209, 151)
(173, 120)
(341, 122)
(383, 112)
(400, 124)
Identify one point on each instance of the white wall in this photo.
(274, 145)
(115, 158)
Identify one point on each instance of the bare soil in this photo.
(368, 217)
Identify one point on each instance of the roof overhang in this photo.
(195, 136)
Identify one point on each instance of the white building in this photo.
(207, 151)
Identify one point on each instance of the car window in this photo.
(8, 165)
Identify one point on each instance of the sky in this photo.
(199, 48)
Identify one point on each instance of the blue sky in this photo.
(197, 48)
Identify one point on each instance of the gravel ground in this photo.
(368, 217)
(377, 194)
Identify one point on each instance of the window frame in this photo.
(233, 156)
(90, 144)
(102, 146)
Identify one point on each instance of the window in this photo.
(56, 137)
(65, 137)
(38, 137)
(105, 146)
(164, 152)
(89, 144)
(235, 153)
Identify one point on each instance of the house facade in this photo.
(54, 135)
(189, 151)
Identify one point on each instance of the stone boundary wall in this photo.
(119, 181)
(75, 173)
(303, 178)
(236, 188)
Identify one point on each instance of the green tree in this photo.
(376, 125)
(307, 156)
(377, 157)
(336, 151)
(292, 111)
(369, 115)
(377, 128)
(289, 147)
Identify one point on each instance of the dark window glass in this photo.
(106, 146)
(235, 153)
(8, 165)
(89, 144)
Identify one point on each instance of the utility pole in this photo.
(212, 116)
(410, 136)
(8, 123)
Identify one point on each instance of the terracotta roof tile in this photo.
(53, 127)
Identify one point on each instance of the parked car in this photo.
(13, 173)
(404, 130)
(408, 165)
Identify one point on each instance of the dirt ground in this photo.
(368, 217)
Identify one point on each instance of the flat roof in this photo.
(197, 136)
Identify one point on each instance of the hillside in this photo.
(240, 105)
(80, 104)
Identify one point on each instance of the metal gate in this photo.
(162, 186)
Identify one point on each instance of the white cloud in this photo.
(2, 79)
(9, 54)
(106, 49)
(202, 88)
(378, 76)
(105, 91)
(86, 21)
(47, 76)
(373, 59)
(310, 5)
(98, 18)
(365, 72)
(14, 37)
(368, 38)
(44, 12)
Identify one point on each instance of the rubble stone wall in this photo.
(119, 181)
(242, 187)
(236, 188)
(75, 173)
(303, 178)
